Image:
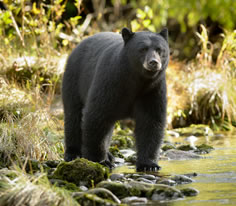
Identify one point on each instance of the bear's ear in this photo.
(126, 34)
(164, 34)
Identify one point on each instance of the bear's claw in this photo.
(147, 168)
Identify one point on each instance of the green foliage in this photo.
(188, 13)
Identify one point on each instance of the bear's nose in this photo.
(154, 64)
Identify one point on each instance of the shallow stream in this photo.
(216, 179)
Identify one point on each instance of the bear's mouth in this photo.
(150, 73)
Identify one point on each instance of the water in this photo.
(216, 180)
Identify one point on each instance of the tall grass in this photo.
(207, 94)
(17, 188)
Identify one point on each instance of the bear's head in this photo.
(147, 52)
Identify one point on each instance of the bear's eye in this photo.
(158, 49)
(143, 50)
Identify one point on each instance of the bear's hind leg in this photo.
(73, 132)
(97, 132)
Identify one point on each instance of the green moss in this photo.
(119, 189)
(122, 142)
(86, 199)
(185, 148)
(65, 185)
(81, 172)
(168, 147)
(116, 152)
(204, 148)
(164, 192)
(189, 192)
(196, 130)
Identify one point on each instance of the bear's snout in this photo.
(154, 65)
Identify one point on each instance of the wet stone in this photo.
(149, 177)
(189, 192)
(115, 177)
(182, 179)
(181, 155)
(167, 182)
(141, 179)
(134, 200)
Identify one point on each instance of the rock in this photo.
(182, 179)
(115, 152)
(204, 149)
(83, 188)
(185, 148)
(100, 192)
(127, 152)
(122, 142)
(189, 192)
(196, 130)
(141, 187)
(194, 174)
(119, 161)
(121, 190)
(165, 194)
(115, 177)
(86, 199)
(134, 200)
(149, 177)
(168, 147)
(132, 159)
(141, 179)
(81, 172)
(181, 155)
(64, 184)
(167, 182)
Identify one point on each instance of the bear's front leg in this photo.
(150, 116)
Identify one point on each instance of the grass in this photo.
(203, 91)
(23, 189)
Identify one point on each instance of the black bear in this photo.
(109, 77)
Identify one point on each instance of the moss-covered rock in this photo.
(100, 192)
(165, 193)
(203, 148)
(121, 190)
(86, 199)
(168, 147)
(189, 192)
(116, 152)
(132, 158)
(81, 172)
(122, 142)
(182, 179)
(185, 147)
(196, 130)
(64, 184)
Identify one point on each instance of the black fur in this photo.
(110, 77)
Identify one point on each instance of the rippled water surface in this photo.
(216, 180)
